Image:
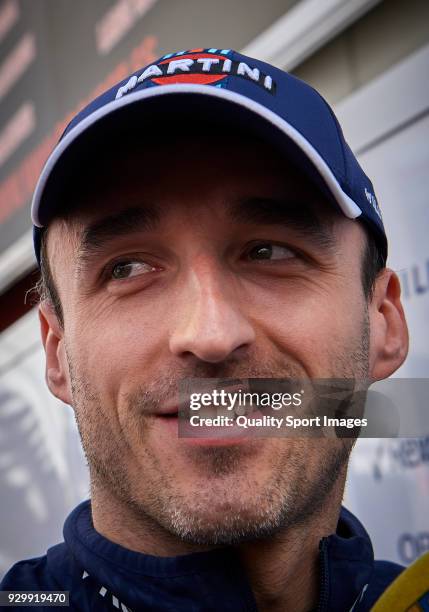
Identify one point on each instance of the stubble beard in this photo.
(233, 507)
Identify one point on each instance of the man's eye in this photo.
(270, 251)
(128, 269)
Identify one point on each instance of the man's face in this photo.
(198, 260)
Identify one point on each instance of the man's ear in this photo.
(56, 370)
(389, 331)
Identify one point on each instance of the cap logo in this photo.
(373, 201)
(198, 66)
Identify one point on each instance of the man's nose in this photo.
(210, 323)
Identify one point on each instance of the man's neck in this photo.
(283, 571)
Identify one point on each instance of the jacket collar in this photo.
(207, 581)
(346, 565)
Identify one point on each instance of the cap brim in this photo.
(167, 103)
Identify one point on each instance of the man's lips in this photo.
(168, 422)
(168, 419)
(167, 411)
(175, 422)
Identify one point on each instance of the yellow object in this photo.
(409, 592)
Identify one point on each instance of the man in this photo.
(206, 219)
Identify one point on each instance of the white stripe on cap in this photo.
(346, 204)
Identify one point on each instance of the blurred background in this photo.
(369, 58)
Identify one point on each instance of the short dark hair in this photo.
(373, 262)
(45, 287)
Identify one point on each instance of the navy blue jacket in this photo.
(101, 575)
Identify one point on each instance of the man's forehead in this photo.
(147, 212)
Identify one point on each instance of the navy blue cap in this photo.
(235, 90)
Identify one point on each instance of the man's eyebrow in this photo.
(296, 214)
(100, 233)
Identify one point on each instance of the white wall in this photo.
(388, 122)
(42, 469)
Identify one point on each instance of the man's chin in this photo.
(224, 495)
(224, 510)
(227, 527)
